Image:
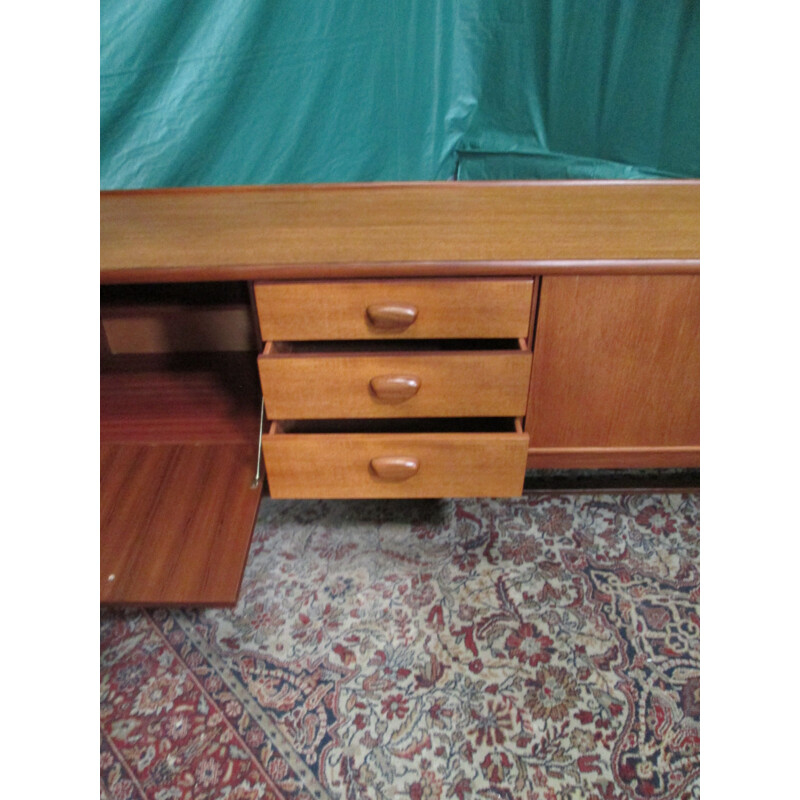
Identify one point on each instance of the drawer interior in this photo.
(397, 425)
(394, 346)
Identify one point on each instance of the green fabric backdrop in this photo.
(280, 91)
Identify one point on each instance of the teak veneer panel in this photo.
(589, 458)
(253, 231)
(175, 521)
(465, 308)
(208, 398)
(616, 365)
(474, 384)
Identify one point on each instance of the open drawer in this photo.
(354, 380)
(396, 458)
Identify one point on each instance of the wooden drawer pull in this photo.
(391, 316)
(394, 388)
(394, 468)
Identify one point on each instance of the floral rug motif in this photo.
(545, 647)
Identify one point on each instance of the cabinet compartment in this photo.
(335, 380)
(395, 458)
(412, 309)
(187, 318)
(179, 426)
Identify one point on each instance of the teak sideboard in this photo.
(408, 340)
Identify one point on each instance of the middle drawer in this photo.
(355, 380)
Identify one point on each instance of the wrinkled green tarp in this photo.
(280, 91)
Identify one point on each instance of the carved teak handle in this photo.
(394, 468)
(391, 316)
(394, 388)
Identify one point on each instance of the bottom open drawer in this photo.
(396, 458)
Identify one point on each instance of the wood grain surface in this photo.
(469, 384)
(175, 522)
(178, 451)
(600, 458)
(177, 329)
(457, 308)
(186, 234)
(616, 363)
(449, 464)
(208, 398)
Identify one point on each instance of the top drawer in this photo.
(410, 309)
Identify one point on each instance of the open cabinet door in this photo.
(178, 456)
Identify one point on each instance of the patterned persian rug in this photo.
(545, 647)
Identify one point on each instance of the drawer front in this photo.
(462, 384)
(413, 309)
(334, 466)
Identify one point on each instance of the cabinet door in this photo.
(616, 372)
(179, 424)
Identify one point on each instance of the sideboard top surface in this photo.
(337, 230)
